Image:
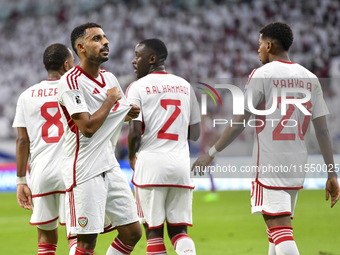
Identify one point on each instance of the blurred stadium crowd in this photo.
(205, 39)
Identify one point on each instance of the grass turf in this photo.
(221, 227)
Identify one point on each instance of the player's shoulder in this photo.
(106, 73)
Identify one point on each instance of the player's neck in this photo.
(90, 69)
(53, 75)
(283, 56)
(160, 68)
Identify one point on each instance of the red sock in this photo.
(46, 248)
(155, 246)
(122, 247)
(81, 251)
(281, 234)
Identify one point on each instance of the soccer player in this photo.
(40, 137)
(93, 112)
(274, 194)
(169, 116)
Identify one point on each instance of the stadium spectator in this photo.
(40, 138)
(93, 112)
(169, 117)
(274, 193)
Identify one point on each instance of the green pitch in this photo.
(221, 227)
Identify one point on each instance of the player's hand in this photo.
(24, 196)
(332, 188)
(114, 94)
(132, 162)
(133, 113)
(200, 164)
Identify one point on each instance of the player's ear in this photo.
(66, 66)
(269, 46)
(80, 47)
(152, 59)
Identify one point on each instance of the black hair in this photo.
(279, 31)
(158, 47)
(79, 31)
(55, 55)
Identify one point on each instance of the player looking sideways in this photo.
(169, 117)
(40, 138)
(274, 194)
(93, 112)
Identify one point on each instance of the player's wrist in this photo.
(21, 180)
(213, 152)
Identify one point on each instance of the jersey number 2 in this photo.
(51, 120)
(168, 123)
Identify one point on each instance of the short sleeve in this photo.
(133, 97)
(195, 116)
(74, 101)
(19, 119)
(319, 107)
(254, 89)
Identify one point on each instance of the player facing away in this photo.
(169, 116)
(274, 194)
(93, 112)
(40, 138)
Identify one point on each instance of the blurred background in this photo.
(206, 39)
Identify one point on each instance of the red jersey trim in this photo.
(45, 222)
(49, 193)
(128, 88)
(71, 79)
(286, 62)
(179, 224)
(102, 85)
(52, 79)
(274, 187)
(159, 72)
(162, 185)
(276, 214)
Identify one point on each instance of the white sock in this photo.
(119, 248)
(72, 246)
(284, 241)
(271, 249)
(183, 244)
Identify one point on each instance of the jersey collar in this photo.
(102, 85)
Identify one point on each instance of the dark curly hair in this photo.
(158, 47)
(55, 55)
(79, 31)
(279, 31)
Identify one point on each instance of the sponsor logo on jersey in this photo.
(78, 99)
(95, 91)
(82, 221)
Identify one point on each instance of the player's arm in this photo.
(24, 195)
(323, 137)
(134, 137)
(229, 135)
(89, 124)
(194, 132)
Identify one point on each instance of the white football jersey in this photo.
(84, 158)
(168, 106)
(280, 147)
(37, 110)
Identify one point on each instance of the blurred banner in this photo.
(224, 176)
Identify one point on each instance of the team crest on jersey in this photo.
(78, 99)
(82, 221)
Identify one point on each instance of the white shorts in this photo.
(92, 203)
(159, 204)
(273, 202)
(48, 208)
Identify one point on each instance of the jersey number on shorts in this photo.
(278, 136)
(168, 123)
(50, 121)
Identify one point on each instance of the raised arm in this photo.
(322, 135)
(89, 124)
(24, 195)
